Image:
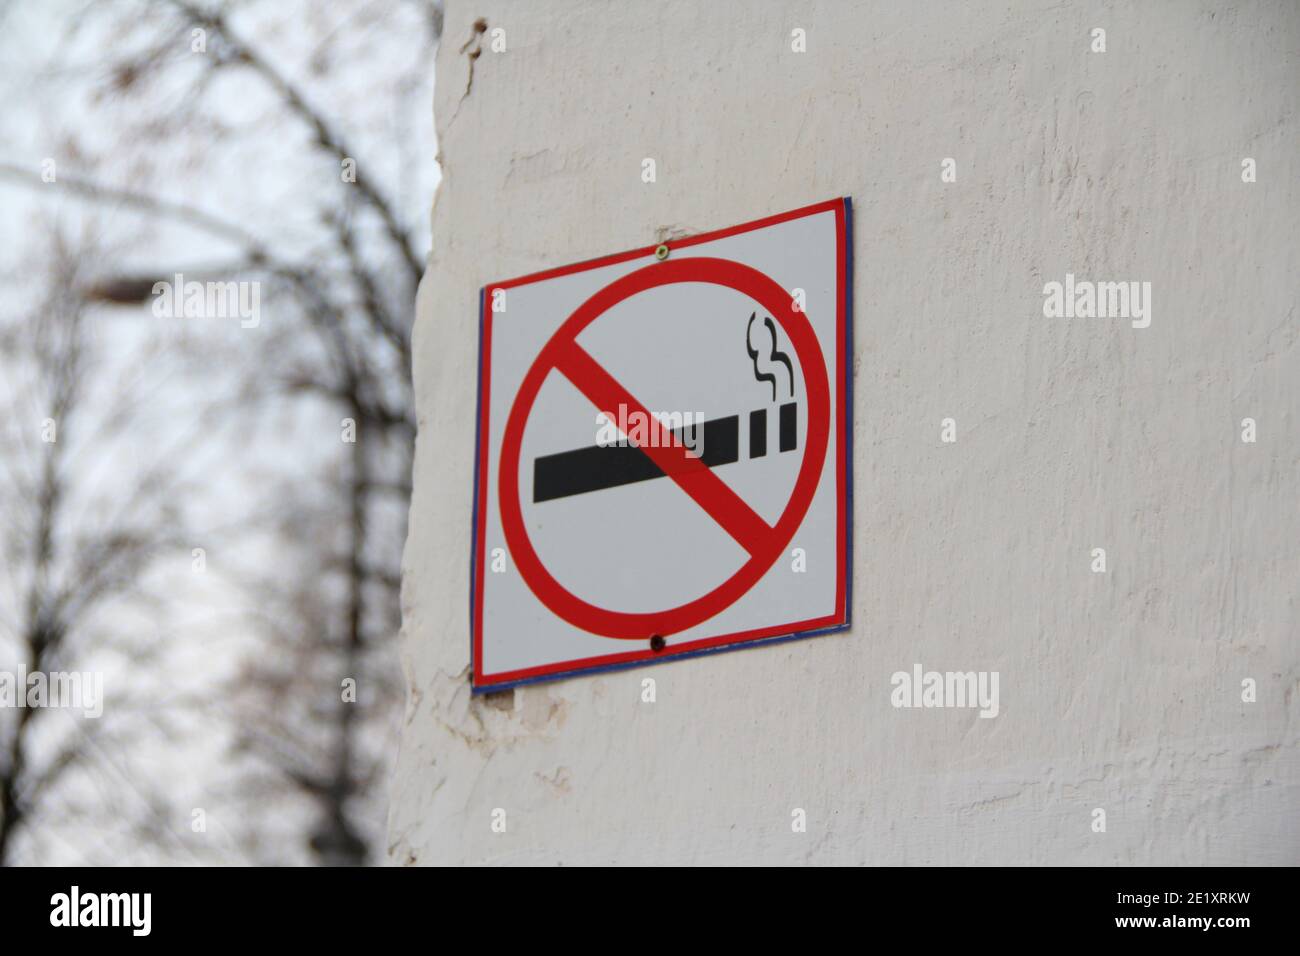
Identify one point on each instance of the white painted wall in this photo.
(1120, 691)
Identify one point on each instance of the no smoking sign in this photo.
(662, 459)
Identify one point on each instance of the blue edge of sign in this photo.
(847, 438)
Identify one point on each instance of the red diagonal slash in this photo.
(673, 458)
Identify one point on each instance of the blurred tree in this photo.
(75, 541)
(289, 143)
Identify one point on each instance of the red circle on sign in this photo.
(765, 547)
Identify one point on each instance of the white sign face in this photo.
(662, 463)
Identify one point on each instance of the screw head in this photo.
(662, 252)
(657, 643)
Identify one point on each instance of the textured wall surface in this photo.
(1119, 690)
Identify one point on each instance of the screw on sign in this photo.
(536, 624)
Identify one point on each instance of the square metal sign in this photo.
(663, 455)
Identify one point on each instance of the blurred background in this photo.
(207, 507)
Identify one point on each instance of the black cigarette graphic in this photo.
(789, 425)
(598, 467)
(758, 433)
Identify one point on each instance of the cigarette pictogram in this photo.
(597, 467)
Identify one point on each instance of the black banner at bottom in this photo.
(335, 907)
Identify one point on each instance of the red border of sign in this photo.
(619, 659)
(764, 543)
